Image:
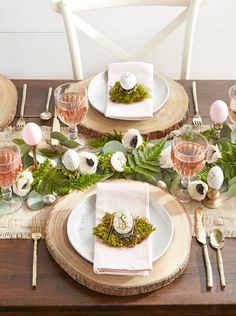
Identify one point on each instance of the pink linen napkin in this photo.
(114, 197)
(144, 75)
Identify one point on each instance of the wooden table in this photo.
(58, 294)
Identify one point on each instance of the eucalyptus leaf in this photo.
(59, 136)
(232, 190)
(226, 131)
(232, 181)
(175, 183)
(18, 141)
(114, 146)
(35, 201)
(24, 149)
(27, 161)
(4, 208)
(225, 144)
(69, 143)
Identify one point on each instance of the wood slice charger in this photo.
(165, 270)
(8, 101)
(170, 117)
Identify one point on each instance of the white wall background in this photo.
(33, 43)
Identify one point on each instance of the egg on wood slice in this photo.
(215, 178)
(71, 160)
(128, 81)
(123, 222)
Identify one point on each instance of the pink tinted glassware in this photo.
(71, 104)
(188, 154)
(10, 168)
(232, 104)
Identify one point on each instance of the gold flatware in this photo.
(21, 122)
(217, 241)
(196, 120)
(36, 235)
(201, 238)
(46, 115)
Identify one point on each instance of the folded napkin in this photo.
(144, 75)
(112, 197)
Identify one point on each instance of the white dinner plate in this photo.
(97, 92)
(82, 220)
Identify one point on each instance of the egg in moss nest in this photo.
(88, 162)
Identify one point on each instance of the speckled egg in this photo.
(71, 160)
(128, 81)
(123, 222)
(215, 178)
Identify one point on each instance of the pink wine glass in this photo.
(10, 168)
(188, 154)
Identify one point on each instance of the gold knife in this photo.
(55, 127)
(201, 237)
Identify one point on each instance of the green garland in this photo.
(142, 164)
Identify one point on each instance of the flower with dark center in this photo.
(134, 141)
(199, 188)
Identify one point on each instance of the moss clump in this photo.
(119, 95)
(110, 237)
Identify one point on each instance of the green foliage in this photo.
(144, 163)
(209, 133)
(59, 181)
(64, 141)
(104, 165)
(50, 152)
(228, 160)
(119, 95)
(101, 141)
(106, 233)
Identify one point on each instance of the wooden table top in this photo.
(58, 294)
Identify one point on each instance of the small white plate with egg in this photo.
(81, 222)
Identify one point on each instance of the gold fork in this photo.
(197, 120)
(36, 235)
(21, 122)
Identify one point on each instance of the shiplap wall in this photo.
(33, 42)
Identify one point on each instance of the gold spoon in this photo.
(217, 241)
(46, 115)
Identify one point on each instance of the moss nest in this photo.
(103, 231)
(118, 95)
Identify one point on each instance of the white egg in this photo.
(123, 222)
(215, 177)
(49, 199)
(71, 160)
(128, 81)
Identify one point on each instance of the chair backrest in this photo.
(70, 8)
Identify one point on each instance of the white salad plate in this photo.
(97, 92)
(81, 222)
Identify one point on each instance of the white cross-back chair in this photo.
(70, 9)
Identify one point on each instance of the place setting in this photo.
(118, 211)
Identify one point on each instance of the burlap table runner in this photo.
(18, 225)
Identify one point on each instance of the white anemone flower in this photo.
(165, 159)
(88, 162)
(132, 139)
(23, 183)
(118, 160)
(213, 153)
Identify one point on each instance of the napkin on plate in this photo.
(112, 197)
(138, 110)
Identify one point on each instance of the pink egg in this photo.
(219, 111)
(32, 134)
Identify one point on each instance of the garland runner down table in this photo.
(165, 270)
(163, 122)
(18, 225)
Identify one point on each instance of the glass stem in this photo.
(6, 194)
(73, 132)
(184, 182)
